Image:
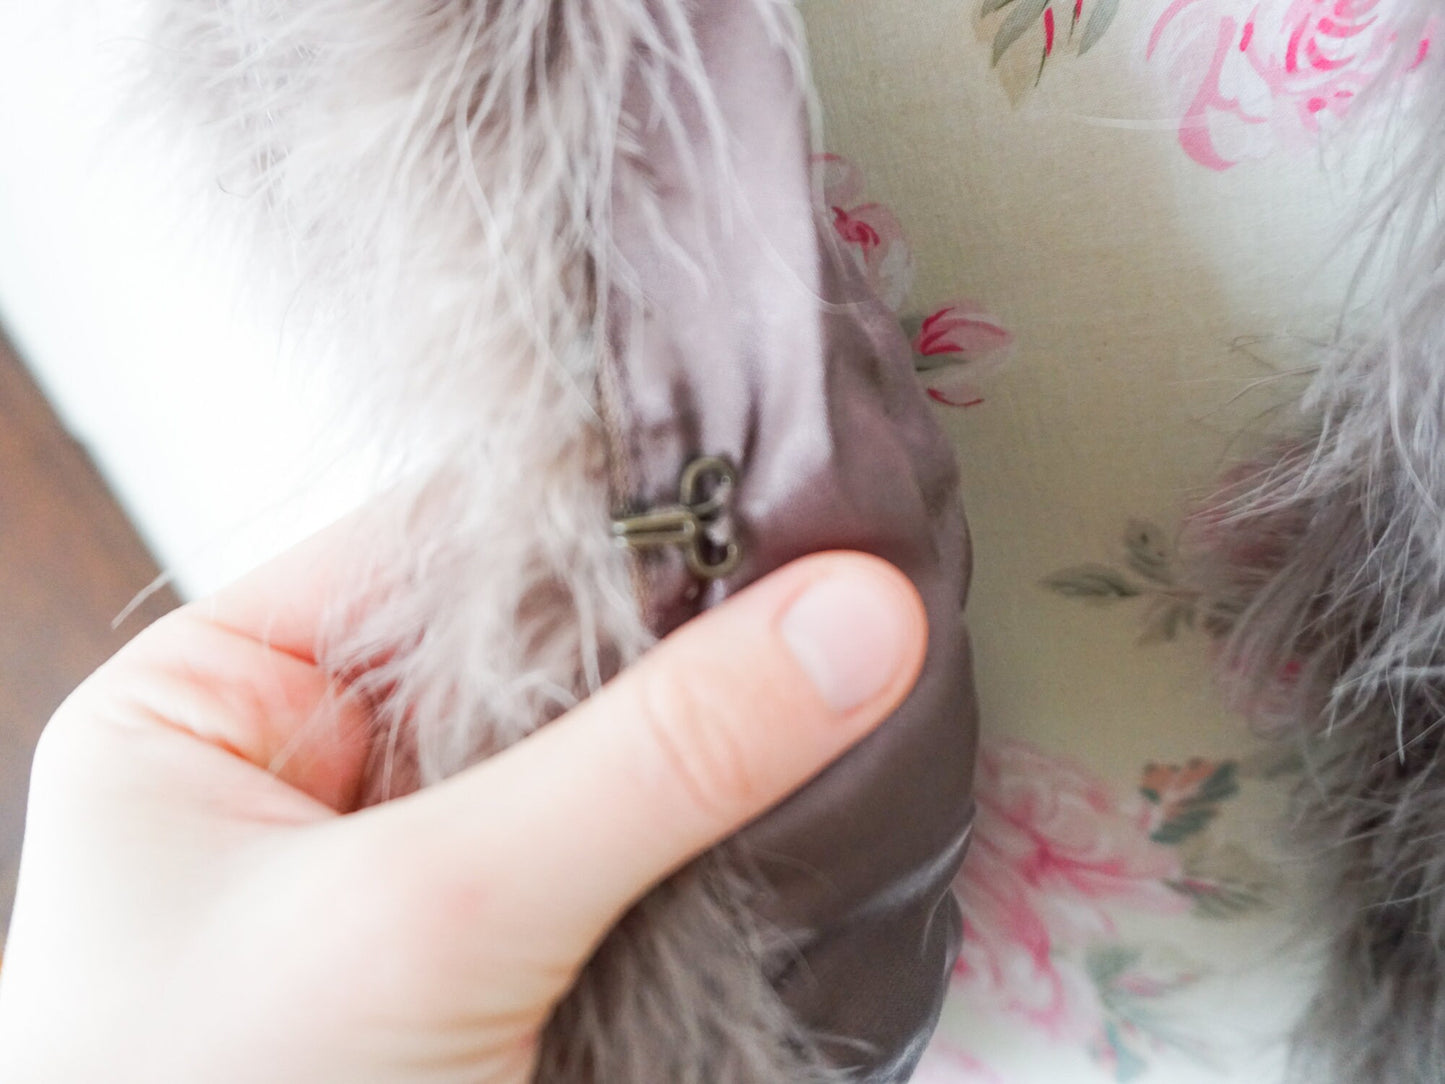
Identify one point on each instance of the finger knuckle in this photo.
(697, 739)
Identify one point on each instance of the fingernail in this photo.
(850, 632)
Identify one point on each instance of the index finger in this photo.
(284, 603)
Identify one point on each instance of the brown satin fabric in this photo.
(759, 343)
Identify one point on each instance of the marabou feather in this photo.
(441, 177)
(1323, 563)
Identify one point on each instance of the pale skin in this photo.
(199, 900)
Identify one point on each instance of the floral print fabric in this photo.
(1105, 229)
(1251, 77)
(1243, 77)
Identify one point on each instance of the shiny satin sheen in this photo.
(757, 340)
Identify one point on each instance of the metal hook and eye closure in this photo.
(704, 494)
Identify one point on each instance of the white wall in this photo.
(134, 315)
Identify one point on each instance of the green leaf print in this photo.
(1023, 16)
(1099, 21)
(1097, 583)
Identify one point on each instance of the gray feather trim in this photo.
(440, 175)
(1323, 564)
(694, 942)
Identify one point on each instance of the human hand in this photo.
(199, 903)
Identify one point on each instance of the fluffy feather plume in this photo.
(1324, 564)
(440, 175)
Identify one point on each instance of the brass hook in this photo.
(686, 523)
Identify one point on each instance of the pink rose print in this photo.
(1255, 73)
(956, 344)
(1054, 855)
(955, 347)
(1058, 873)
(870, 231)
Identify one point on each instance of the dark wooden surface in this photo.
(69, 564)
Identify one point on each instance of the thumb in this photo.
(722, 720)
